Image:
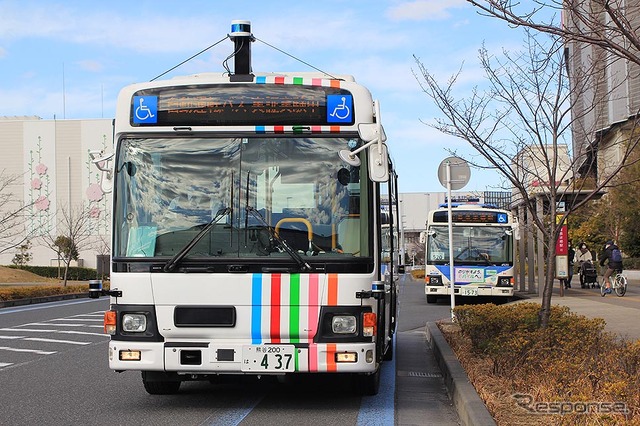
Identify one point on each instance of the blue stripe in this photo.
(261, 80)
(379, 409)
(260, 129)
(256, 309)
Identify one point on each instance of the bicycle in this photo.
(618, 284)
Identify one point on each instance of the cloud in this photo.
(92, 66)
(419, 10)
(3, 52)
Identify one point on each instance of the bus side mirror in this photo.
(423, 237)
(102, 163)
(378, 163)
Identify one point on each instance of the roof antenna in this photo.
(242, 38)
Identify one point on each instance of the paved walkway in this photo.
(621, 314)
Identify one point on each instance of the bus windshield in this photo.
(251, 194)
(475, 245)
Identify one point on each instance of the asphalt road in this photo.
(53, 371)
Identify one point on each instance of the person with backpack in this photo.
(613, 255)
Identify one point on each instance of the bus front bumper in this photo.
(234, 358)
(471, 291)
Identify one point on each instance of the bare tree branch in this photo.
(520, 126)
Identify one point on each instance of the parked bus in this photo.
(483, 252)
(247, 228)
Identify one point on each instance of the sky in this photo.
(69, 59)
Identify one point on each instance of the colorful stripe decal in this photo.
(300, 81)
(285, 309)
(256, 309)
(312, 322)
(331, 357)
(276, 306)
(294, 309)
(333, 290)
(296, 129)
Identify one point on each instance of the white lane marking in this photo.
(33, 330)
(42, 339)
(33, 351)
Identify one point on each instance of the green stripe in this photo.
(297, 80)
(294, 304)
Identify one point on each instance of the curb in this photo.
(470, 407)
(43, 299)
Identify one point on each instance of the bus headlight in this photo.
(344, 324)
(505, 282)
(134, 323)
(434, 279)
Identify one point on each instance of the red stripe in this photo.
(316, 129)
(276, 290)
(316, 82)
(333, 290)
(331, 357)
(279, 80)
(278, 129)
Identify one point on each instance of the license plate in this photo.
(473, 291)
(268, 358)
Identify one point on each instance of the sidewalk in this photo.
(621, 314)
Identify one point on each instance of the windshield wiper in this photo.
(175, 260)
(304, 266)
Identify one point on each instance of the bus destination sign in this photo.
(471, 216)
(242, 105)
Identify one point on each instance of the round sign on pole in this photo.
(460, 172)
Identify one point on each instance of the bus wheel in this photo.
(159, 387)
(367, 384)
(432, 299)
(388, 355)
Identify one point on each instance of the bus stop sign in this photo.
(460, 172)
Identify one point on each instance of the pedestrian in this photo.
(571, 255)
(613, 256)
(586, 270)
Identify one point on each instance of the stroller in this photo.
(588, 275)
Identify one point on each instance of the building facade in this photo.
(605, 92)
(56, 180)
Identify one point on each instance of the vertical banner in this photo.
(562, 250)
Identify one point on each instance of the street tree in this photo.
(519, 124)
(71, 236)
(13, 213)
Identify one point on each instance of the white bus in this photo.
(483, 252)
(247, 228)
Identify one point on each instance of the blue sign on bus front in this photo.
(145, 109)
(339, 108)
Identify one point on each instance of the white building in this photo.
(52, 163)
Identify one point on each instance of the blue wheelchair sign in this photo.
(145, 109)
(339, 108)
(502, 218)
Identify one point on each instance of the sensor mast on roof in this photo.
(242, 38)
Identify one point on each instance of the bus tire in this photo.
(388, 355)
(367, 384)
(160, 387)
(432, 299)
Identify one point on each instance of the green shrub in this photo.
(573, 359)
